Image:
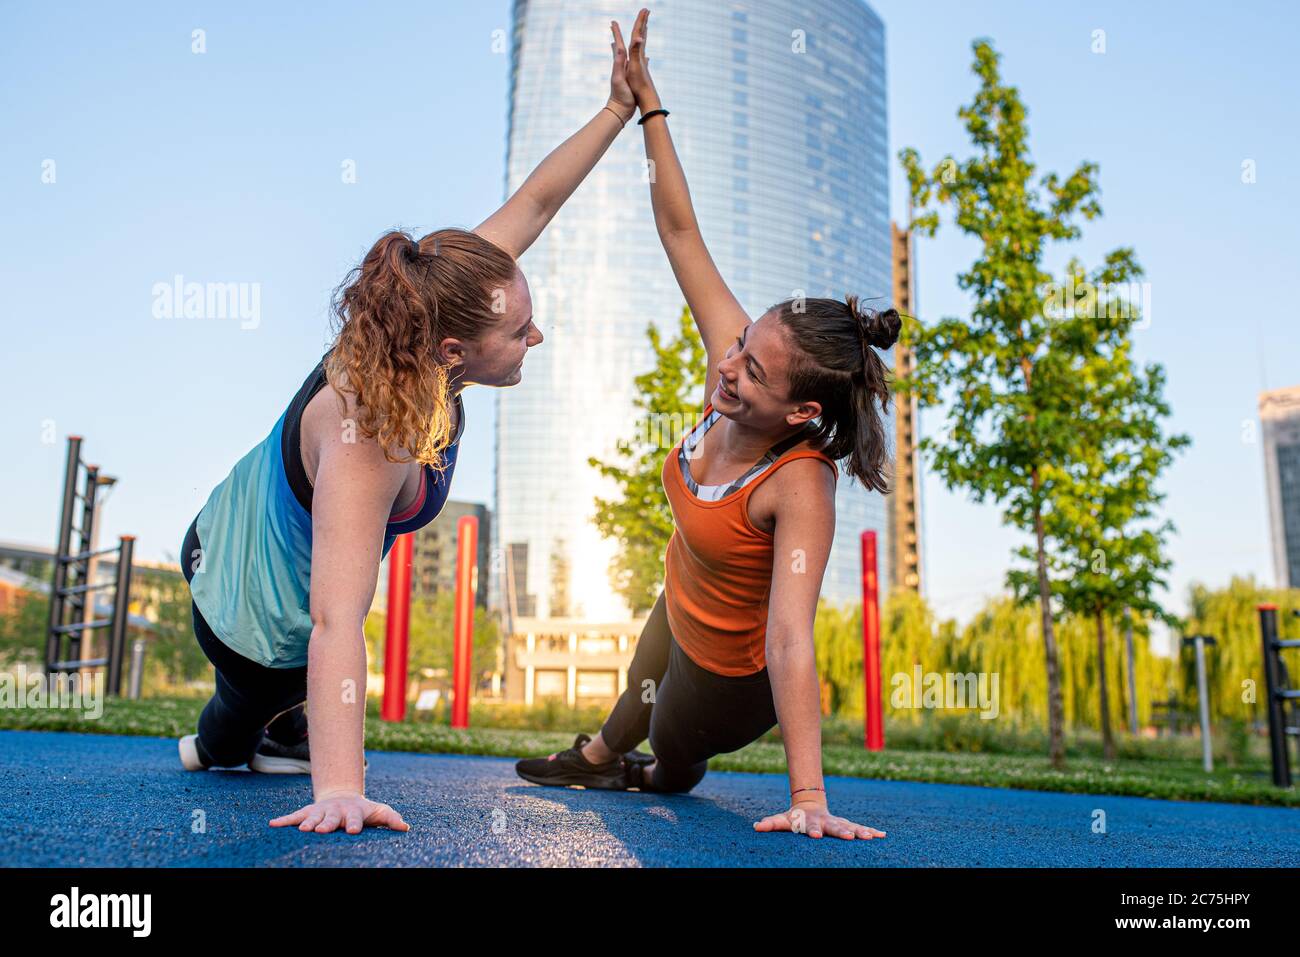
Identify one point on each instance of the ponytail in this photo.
(835, 364)
(392, 311)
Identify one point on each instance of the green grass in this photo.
(944, 749)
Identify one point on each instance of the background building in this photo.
(579, 663)
(779, 117)
(1279, 414)
(433, 565)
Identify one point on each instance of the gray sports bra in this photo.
(714, 493)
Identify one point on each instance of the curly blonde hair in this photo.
(392, 311)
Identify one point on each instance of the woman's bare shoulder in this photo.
(329, 424)
(805, 483)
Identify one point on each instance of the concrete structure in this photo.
(903, 559)
(579, 663)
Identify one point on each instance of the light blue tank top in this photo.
(253, 585)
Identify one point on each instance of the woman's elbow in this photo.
(330, 629)
(786, 645)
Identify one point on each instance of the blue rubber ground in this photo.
(71, 800)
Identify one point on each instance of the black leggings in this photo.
(688, 713)
(251, 699)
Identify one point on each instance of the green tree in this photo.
(172, 655)
(909, 637)
(998, 640)
(22, 629)
(640, 520)
(1013, 405)
(837, 639)
(560, 590)
(1106, 544)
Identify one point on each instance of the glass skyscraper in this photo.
(778, 115)
(1279, 413)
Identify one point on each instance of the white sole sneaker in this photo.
(267, 764)
(190, 753)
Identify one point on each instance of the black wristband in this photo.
(646, 116)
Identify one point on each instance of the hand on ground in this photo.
(352, 812)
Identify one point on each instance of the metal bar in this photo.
(397, 627)
(873, 723)
(83, 626)
(1202, 694)
(85, 531)
(463, 629)
(77, 664)
(121, 606)
(86, 542)
(137, 669)
(1289, 643)
(1278, 749)
(85, 555)
(59, 579)
(81, 589)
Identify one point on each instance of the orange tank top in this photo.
(718, 571)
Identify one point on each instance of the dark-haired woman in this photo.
(283, 559)
(728, 650)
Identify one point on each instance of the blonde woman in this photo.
(283, 558)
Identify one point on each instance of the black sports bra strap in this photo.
(291, 437)
(778, 450)
(774, 453)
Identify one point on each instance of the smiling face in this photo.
(754, 380)
(496, 357)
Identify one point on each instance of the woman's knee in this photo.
(679, 763)
(676, 779)
(224, 745)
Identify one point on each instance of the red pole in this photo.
(875, 725)
(466, 585)
(397, 627)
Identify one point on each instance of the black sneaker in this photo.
(637, 762)
(639, 758)
(567, 768)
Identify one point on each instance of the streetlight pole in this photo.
(1202, 694)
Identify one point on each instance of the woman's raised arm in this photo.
(516, 225)
(718, 314)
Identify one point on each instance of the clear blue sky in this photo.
(226, 167)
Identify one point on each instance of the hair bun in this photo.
(878, 328)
